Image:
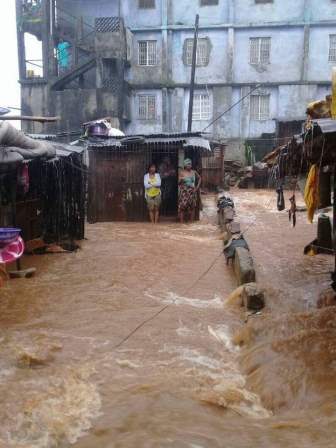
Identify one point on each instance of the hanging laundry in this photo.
(281, 199)
(23, 178)
(311, 193)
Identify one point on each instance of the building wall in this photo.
(285, 66)
(248, 12)
(214, 72)
(89, 9)
(209, 15)
(318, 63)
(139, 74)
(298, 72)
(322, 10)
(140, 126)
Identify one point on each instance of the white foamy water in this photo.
(193, 356)
(175, 299)
(221, 334)
(221, 383)
(56, 411)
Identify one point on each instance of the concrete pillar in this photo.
(165, 111)
(170, 12)
(170, 109)
(305, 56)
(178, 110)
(222, 100)
(20, 41)
(45, 37)
(99, 73)
(244, 113)
(230, 56)
(231, 11)
(306, 14)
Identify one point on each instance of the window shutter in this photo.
(146, 4)
(254, 50)
(209, 2)
(332, 48)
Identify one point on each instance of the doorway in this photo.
(167, 166)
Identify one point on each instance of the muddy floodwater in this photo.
(201, 373)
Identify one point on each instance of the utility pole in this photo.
(193, 69)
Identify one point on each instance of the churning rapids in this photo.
(195, 376)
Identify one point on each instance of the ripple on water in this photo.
(175, 299)
(55, 410)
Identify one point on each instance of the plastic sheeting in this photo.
(15, 146)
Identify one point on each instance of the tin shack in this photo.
(117, 167)
(42, 187)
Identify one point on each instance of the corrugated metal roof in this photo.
(42, 136)
(327, 125)
(198, 142)
(184, 139)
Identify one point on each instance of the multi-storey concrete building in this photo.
(286, 46)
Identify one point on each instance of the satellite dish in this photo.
(4, 111)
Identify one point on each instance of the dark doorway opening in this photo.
(167, 167)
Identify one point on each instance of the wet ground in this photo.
(130, 342)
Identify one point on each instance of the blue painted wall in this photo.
(214, 71)
(319, 65)
(184, 12)
(297, 74)
(285, 59)
(248, 12)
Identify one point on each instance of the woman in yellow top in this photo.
(152, 183)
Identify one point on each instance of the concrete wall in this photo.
(139, 126)
(214, 72)
(139, 74)
(89, 9)
(293, 100)
(297, 73)
(319, 67)
(322, 10)
(284, 65)
(136, 17)
(183, 14)
(248, 12)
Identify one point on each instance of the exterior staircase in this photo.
(74, 73)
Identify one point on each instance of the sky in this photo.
(9, 75)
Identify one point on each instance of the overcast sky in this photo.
(9, 86)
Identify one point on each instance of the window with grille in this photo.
(202, 52)
(147, 52)
(201, 107)
(332, 48)
(260, 50)
(209, 2)
(146, 4)
(147, 107)
(260, 107)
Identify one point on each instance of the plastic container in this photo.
(8, 235)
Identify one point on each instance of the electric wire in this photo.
(231, 107)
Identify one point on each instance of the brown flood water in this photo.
(181, 380)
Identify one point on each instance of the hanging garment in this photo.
(292, 210)
(281, 199)
(311, 193)
(23, 178)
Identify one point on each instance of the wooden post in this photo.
(193, 70)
